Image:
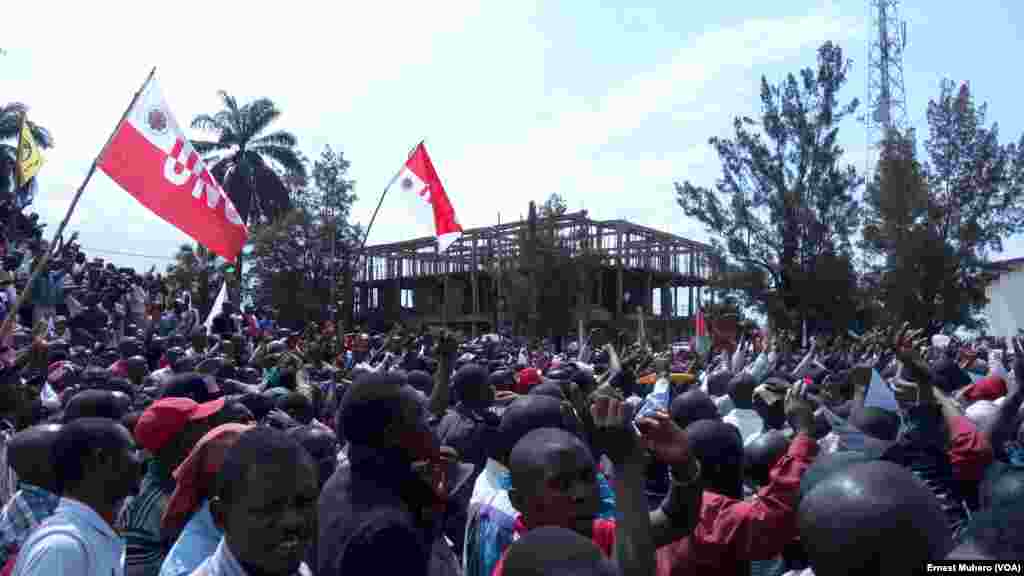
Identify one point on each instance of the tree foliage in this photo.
(199, 272)
(933, 226)
(555, 269)
(253, 168)
(783, 212)
(293, 267)
(17, 224)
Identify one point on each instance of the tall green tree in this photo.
(298, 260)
(255, 167)
(933, 226)
(783, 212)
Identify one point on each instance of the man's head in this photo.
(95, 459)
(529, 413)
(137, 368)
(761, 454)
(692, 406)
(472, 386)
(719, 448)
(872, 518)
(379, 411)
(741, 390)
(322, 445)
(265, 500)
(129, 347)
(298, 406)
(198, 387)
(29, 453)
(97, 404)
(554, 481)
(170, 427)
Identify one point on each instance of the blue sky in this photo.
(605, 103)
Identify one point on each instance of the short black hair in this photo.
(28, 453)
(257, 445)
(97, 403)
(77, 441)
(296, 404)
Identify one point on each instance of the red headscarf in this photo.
(196, 474)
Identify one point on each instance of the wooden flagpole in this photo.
(8, 325)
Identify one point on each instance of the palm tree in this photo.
(10, 124)
(253, 168)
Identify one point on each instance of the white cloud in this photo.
(372, 79)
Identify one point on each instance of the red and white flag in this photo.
(418, 181)
(152, 160)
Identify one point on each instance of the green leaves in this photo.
(253, 166)
(785, 199)
(935, 223)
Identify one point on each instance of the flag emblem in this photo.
(406, 183)
(157, 121)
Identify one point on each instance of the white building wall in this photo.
(1005, 308)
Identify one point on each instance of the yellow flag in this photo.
(30, 159)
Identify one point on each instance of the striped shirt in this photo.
(140, 523)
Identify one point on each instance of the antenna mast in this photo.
(887, 102)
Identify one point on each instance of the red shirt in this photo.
(603, 537)
(730, 533)
(970, 452)
(988, 388)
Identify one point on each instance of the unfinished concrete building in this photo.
(637, 267)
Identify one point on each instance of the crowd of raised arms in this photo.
(140, 440)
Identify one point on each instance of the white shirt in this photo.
(747, 421)
(75, 540)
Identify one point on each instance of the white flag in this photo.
(222, 296)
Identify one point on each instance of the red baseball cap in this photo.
(167, 417)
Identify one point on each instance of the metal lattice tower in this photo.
(887, 101)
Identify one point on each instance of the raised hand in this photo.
(663, 437)
(613, 430)
(799, 410)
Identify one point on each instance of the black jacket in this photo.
(368, 526)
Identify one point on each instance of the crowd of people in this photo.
(139, 440)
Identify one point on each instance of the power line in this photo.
(120, 253)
